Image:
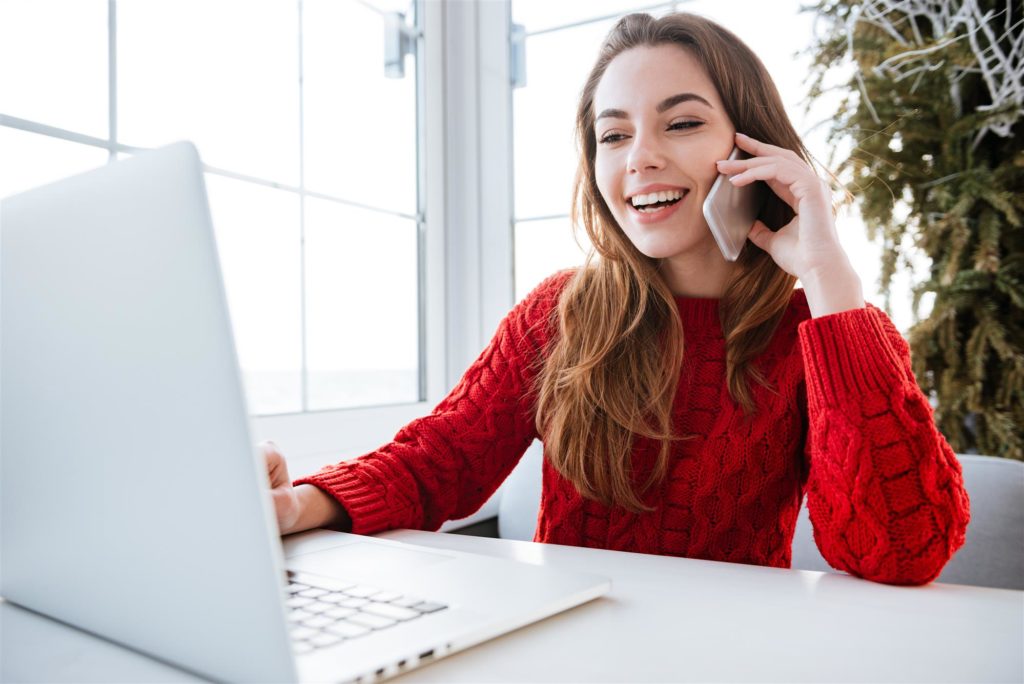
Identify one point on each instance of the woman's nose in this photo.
(644, 155)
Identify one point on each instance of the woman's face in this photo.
(660, 128)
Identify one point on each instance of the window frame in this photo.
(465, 226)
(466, 247)
(466, 254)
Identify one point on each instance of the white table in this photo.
(666, 619)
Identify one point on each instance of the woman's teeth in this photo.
(656, 201)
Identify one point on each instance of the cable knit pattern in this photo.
(844, 419)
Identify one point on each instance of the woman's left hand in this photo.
(808, 245)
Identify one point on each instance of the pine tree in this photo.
(938, 163)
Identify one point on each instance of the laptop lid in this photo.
(126, 463)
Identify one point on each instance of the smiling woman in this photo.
(650, 120)
(707, 453)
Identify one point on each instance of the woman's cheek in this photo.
(606, 189)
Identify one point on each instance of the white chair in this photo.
(992, 556)
(520, 496)
(993, 552)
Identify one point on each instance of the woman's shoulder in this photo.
(546, 294)
(533, 319)
(535, 312)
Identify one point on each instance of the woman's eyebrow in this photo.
(665, 105)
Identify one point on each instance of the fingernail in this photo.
(741, 135)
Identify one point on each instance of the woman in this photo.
(685, 402)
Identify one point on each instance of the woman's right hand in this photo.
(303, 507)
(286, 501)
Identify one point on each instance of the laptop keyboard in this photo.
(324, 611)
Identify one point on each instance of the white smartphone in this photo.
(730, 210)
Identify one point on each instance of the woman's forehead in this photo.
(642, 77)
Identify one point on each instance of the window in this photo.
(313, 170)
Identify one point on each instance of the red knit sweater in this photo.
(848, 426)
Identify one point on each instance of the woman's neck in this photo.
(702, 275)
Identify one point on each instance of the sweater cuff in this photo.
(365, 506)
(848, 355)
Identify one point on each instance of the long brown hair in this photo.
(611, 373)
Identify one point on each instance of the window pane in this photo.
(360, 128)
(361, 307)
(29, 159)
(53, 63)
(403, 6)
(221, 73)
(258, 242)
(544, 247)
(545, 115)
(541, 14)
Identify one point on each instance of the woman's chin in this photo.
(655, 250)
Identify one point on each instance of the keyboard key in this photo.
(318, 607)
(347, 630)
(386, 596)
(323, 639)
(405, 601)
(318, 621)
(296, 588)
(339, 612)
(299, 633)
(371, 621)
(329, 583)
(362, 591)
(355, 602)
(429, 607)
(298, 615)
(298, 602)
(314, 593)
(389, 611)
(300, 647)
(334, 597)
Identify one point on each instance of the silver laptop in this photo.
(134, 503)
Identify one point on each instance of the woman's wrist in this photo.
(317, 508)
(833, 289)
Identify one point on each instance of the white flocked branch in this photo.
(996, 43)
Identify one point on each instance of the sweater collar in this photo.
(697, 313)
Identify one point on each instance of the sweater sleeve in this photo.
(446, 465)
(885, 491)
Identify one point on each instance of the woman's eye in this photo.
(677, 126)
(683, 125)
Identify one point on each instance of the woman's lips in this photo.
(646, 217)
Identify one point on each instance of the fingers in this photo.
(733, 166)
(763, 154)
(761, 236)
(277, 469)
(789, 176)
(761, 149)
(270, 450)
(767, 171)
